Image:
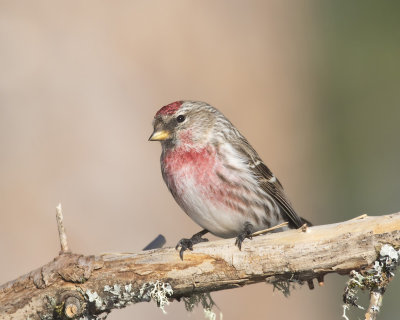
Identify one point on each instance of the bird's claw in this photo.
(187, 244)
(240, 238)
(246, 233)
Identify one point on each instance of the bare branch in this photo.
(89, 286)
(61, 230)
(258, 233)
(375, 303)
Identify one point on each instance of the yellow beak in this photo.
(159, 135)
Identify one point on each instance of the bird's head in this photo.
(184, 123)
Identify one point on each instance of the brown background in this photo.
(313, 85)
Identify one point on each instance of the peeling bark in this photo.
(74, 285)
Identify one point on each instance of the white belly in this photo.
(213, 213)
(222, 206)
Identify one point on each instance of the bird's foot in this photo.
(246, 233)
(186, 244)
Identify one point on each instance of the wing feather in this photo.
(268, 182)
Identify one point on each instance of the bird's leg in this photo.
(189, 243)
(246, 233)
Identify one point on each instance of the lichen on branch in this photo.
(92, 286)
(374, 280)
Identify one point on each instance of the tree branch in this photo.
(375, 304)
(75, 285)
(61, 230)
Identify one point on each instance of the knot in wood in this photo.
(72, 307)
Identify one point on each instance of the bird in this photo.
(216, 176)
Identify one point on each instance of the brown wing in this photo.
(269, 183)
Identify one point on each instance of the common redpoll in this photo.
(216, 176)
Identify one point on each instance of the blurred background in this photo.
(313, 85)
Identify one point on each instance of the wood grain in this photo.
(98, 284)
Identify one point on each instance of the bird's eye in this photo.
(180, 118)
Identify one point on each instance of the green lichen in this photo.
(94, 298)
(283, 286)
(375, 279)
(207, 303)
(58, 310)
(157, 291)
(121, 295)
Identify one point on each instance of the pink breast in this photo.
(198, 170)
(198, 165)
